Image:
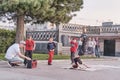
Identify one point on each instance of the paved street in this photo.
(100, 69)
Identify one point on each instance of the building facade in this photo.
(109, 38)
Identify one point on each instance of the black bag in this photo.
(31, 64)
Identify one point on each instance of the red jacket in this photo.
(29, 45)
(74, 46)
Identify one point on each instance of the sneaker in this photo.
(49, 64)
(11, 64)
(16, 65)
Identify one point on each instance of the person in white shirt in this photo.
(90, 46)
(94, 44)
(97, 47)
(80, 42)
(13, 54)
(80, 52)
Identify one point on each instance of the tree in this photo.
(23, 11)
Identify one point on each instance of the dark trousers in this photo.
(72, 56)
(97, 54)
(28, 53)
(80, 50)
(79, 47)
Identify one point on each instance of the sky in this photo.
(95, 12)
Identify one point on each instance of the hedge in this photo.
(7, 37)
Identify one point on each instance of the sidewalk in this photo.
(111, 57)
(105, 66)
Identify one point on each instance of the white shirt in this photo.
(80, 42)
(94, 44)
(90, 43)
(12, 51)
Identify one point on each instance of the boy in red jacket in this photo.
(30, 46)
(73, 49)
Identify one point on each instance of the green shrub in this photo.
(2, 57)
(7, 37)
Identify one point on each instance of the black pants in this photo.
(28, 53)
(80, 50)
(97, 53)
(72, 56)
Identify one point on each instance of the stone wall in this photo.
(41, 47)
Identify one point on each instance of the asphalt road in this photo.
(100, 69)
